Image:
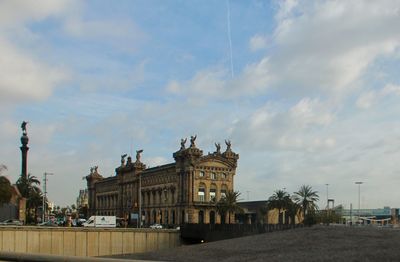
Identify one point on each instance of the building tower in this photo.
(24, 149)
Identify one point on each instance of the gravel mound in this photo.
(318, 243)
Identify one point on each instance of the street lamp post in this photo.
(359, 183)
(327, 196)
(140, 201)
(45, 194)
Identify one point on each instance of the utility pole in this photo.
(45, 194)
(359, 183)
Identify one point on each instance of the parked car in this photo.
(156, 226)
(48, 224)
(11, 222)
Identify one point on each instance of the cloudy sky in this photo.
(308, 92)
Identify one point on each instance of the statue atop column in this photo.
(23, 127)
(24, 150)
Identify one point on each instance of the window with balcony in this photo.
(201, 194)
(213, 194)
(223, 193)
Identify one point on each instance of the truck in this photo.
(101, 221)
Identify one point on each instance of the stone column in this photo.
(24, 151)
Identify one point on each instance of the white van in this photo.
(101, 221)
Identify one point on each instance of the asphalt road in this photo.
(318, 243)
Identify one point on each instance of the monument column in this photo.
(24, 149)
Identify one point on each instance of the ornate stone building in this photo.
(186, 190)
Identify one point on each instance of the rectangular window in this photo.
(201, 174)
(213, 176)
(201, 194)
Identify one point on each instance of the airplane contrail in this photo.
(229, 35)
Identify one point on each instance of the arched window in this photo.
(201, 194)
(213, 193)
(224, 189)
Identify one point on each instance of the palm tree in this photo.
(28, 187)
(279, 200)
(292, 210)
(307, 199)
(228, 204)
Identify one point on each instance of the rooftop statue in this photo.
(192, 139)
(183, 142)
(95, 168)
(218, 146)
(138, 152)
(23, 127)
(123, 159)
(228, 145)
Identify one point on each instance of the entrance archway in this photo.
(212, 217)
(201, 217)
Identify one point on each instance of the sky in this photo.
(307, 91)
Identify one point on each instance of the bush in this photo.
(310, 219)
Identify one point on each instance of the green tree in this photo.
(5, 187)
(228, 205)
(293, 210)
(307, 199)
(5, 190)
(33, 203)
(279, 200)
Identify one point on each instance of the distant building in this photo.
(186, 190)
(83, 199)
(15, 209)
(257, 212)
(383, 215)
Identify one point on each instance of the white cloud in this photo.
(328, 45)
(295, 128)
(366, 100)
(24, 78)
(370, 98)
(15, 12)
(258, 42)
(322, 48)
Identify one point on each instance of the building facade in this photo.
(185, 191)
(82, 199)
